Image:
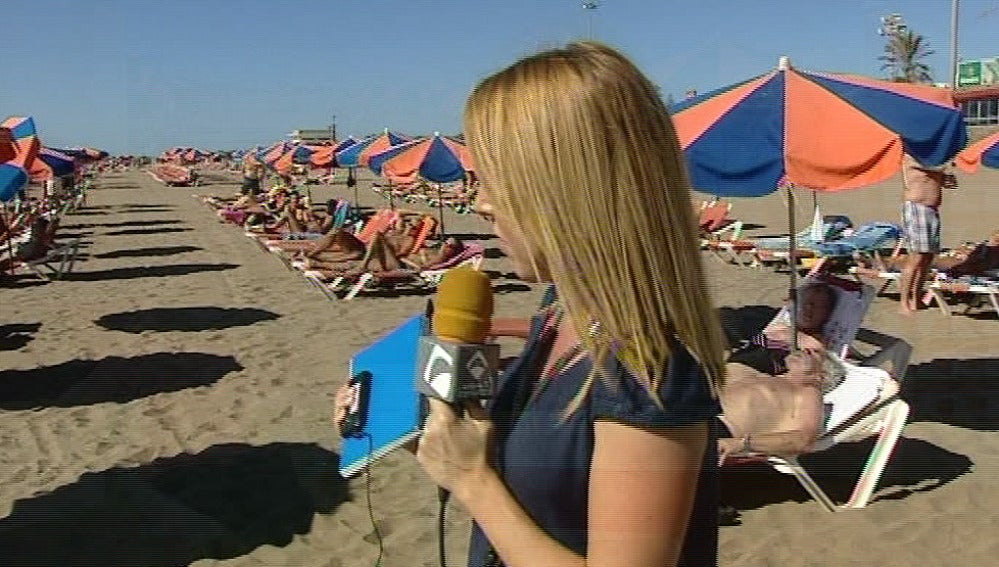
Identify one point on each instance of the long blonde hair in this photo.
(577, 149)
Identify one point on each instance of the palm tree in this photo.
(903, 56)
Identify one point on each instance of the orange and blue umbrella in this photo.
(438, 160)
(274, 153)
(822, 131)
(19, 147)
(359, 153)
(90, 154)
(325, 156)
(817, 130)
(375, 161)
(983, 152)
(50, 164)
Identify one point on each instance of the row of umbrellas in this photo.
(400, 159)
(784, 129)
(24, 159)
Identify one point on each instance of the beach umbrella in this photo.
(50, 164)
(192, 155)
(325, 156)
(822, 131)
(359, 153)
(19, 147)
(376, 160)
(302, 155)
(274, 153)
(90, 154)
(983, 152)
(438, 159)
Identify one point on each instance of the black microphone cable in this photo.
(443, 495)
(367, 491)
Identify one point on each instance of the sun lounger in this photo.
(57, 262)
(867, 241)
(429, 277)
(714, 219)
(977, 289)
(864, 404)
(761, 251)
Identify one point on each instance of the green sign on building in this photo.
(978, 72)
(969, 74)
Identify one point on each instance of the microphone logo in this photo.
(441, 382)
(477, 365)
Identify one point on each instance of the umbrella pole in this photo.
(793, 262)
(440, 209)
(10, 238)
(350, 177)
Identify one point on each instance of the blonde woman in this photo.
(597, 449)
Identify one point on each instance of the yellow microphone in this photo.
(464, 309)
(455, 364)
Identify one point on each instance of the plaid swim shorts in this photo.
(922, 227)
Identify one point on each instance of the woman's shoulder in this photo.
(683, 396)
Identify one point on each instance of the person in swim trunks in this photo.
(921, 198)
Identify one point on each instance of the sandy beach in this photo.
(169, 402)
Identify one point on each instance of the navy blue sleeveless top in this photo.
(545, 461)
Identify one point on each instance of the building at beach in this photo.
(978, 94)
(313, 135)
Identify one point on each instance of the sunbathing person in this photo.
(334, 247)
(384, 248)
(240, 210)
(382, 257)
(772, 398)
(966, 260)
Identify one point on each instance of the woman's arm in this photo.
(642, 485)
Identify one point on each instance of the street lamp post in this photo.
(954, 6)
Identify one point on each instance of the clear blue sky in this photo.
(138, 76)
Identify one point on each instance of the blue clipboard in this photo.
(394, 405)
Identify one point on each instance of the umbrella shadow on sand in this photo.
(111, 379)
(189, 319)
(143, 206)
(218, 504)
(126, 223)
(146, 231)
(959, 392)
(16, 335)
(151, 251)
(146, 272)
(156, 209)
